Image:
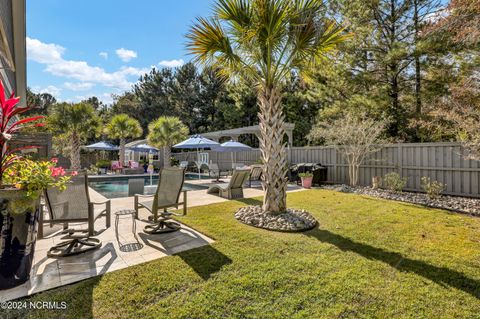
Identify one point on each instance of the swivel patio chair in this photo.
(73, 205)
(170, 184)
(234, 189)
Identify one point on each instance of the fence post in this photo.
(334, 165)
(400, 159)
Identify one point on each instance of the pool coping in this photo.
(120, 176)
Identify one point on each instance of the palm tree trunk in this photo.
(166, 156)
(75, 152)
(122, 152)
(272, 148)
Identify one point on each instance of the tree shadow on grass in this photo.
(250, 201)
(205, 260)
(440, 275)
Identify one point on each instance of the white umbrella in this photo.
(197, 142)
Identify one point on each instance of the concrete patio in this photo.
(121, 248)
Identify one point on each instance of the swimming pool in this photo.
(117, 186)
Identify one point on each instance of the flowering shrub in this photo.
(35, 176)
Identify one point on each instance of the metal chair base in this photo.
(74, 246)
(162, 227)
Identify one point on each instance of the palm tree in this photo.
(165, 132)
(264, 42)
(122, 126)
(73, 123)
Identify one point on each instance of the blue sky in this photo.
(76, 49)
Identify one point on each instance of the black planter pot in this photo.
(18, 234)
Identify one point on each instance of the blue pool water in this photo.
(115, 187)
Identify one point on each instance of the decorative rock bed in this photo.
(458, 204)
(292, 220)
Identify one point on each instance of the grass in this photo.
(368, 258)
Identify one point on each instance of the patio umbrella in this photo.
(197, 142)
(102, 146)
(233, 147)
(144, 148)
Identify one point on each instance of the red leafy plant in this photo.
(11, 124)
(24, 173)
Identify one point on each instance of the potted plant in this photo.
(307, 179)
(21, 182)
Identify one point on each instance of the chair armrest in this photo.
(143, 196)
(100, 203)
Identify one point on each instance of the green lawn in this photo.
(368, 258)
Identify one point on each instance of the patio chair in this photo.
(116, 167)
(170, 184)
(73, 205)
(238, 165)
(234, 189)
(133, 164)
(255, 174)
(216, 172)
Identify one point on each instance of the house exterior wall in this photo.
(13, 47)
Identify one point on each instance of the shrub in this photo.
(103, 164)
(93, 169)
(174, 161)
(432, 188)
(306, 174)
(394, 182)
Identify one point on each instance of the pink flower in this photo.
(54, 160)
(74, 173)
(57, 171)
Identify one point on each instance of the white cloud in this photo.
(44, 52)
(51, 89)
(103, 55)
(52, 56)
(171, 63)
(126, 55)
(106, 98)
(79, 86)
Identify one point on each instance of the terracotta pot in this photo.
(307, 181)
(18, 234)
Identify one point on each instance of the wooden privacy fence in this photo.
(444, 162)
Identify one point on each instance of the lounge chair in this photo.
(116, 166)
(133, 164)
(234, 189)
(73, 205)
(238, 165)
(255, 174)
(170, 184)
(216, 172)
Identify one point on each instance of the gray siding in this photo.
(7, 75)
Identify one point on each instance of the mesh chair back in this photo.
(256, 172)
(170, 184)
(239, 177)
(213, 168)
(73, 202)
